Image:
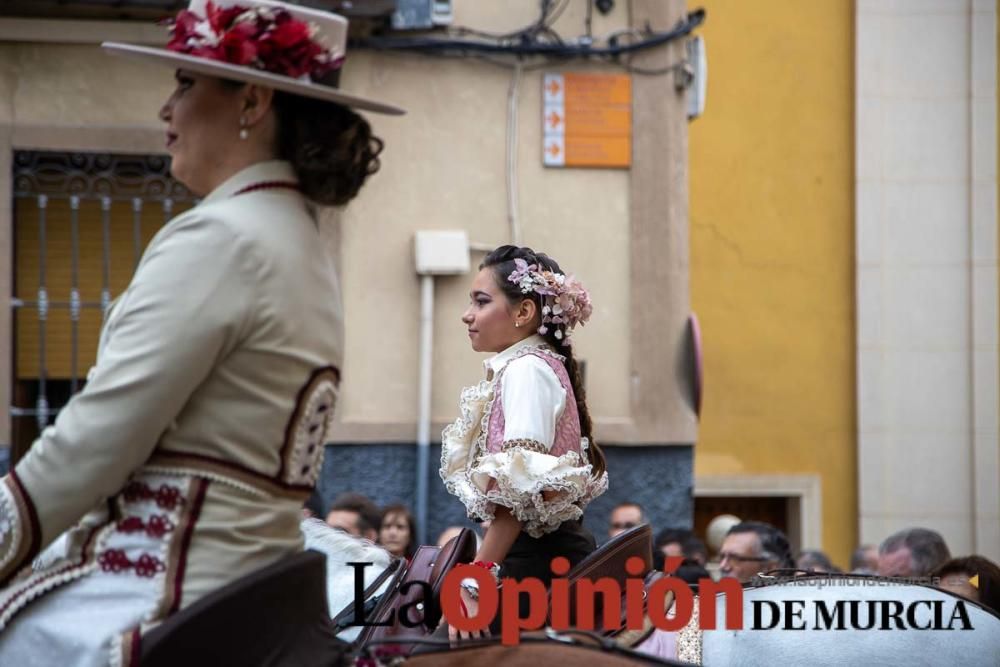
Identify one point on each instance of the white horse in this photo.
(340, 549)
(839, 620)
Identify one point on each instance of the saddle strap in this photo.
(340, 621)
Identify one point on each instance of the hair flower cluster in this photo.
(565, 301)
(268, 39)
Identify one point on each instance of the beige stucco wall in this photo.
(77, 86)
(444, 168)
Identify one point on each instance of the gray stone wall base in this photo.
(660, 478)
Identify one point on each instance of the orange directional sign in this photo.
(598, 152)
(587, 120)
(598, 89)
(553, 121)
(554, 150)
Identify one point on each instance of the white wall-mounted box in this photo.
(441, 252)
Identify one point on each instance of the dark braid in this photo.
(595, 454)
(501, 261)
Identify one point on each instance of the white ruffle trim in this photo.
(461, 440)
(520, 477)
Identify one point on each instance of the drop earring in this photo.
(243, 129)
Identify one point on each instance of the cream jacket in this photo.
(218, 363)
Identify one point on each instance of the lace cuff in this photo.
(517, 476)
(19, 531)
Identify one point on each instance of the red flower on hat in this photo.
(237, 44)
(288, 33)
(181, 28)
(264, 38)
(221, 18)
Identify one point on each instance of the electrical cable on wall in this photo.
(540, 40)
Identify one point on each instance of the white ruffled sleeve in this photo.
(516, 477)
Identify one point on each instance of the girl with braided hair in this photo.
(522, 452)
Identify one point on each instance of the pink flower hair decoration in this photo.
(565, 301)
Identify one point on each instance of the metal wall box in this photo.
(441, 252)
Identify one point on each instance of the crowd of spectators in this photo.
(750, 548)
(747, 549)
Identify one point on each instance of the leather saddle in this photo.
(608, 561)
(275, 617)
(405, 611)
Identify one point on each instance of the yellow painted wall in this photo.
(772, 249)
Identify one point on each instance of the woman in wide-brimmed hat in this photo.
(184, 463)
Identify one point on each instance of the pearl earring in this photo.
(517, 324)
(243, 129)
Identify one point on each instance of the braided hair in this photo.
(501, 261)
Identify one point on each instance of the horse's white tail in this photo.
(341, 548)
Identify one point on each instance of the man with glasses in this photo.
(624, 516)
(751, 547)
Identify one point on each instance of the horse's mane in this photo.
(341, 548)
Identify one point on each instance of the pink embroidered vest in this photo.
(567, 428)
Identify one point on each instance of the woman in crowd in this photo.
(184, 463)
(398, 533)
(522, 455)
(974, 577)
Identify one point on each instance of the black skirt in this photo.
(532, 557)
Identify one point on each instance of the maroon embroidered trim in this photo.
(25, 507)
(194, 511)
(157, 526)
(116, 560)
(166, 496)
(297, 412)
(200, 463)
(268, 185)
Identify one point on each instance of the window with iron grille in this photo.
(81, 222)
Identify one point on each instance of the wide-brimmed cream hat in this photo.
(274, 44)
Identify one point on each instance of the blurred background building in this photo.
(830, 215)
(843, 254)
